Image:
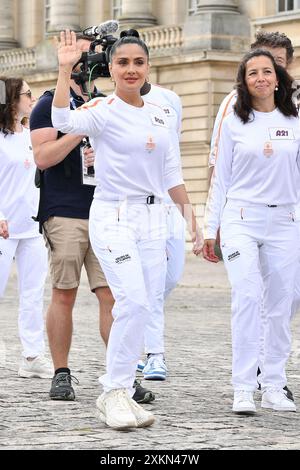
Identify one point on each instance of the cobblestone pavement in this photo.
(192, 408)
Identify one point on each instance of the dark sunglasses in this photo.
(28, 93)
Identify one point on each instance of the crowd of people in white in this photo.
(129, 229)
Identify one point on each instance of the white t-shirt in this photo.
(134, 154)
(226, 107)
(257, 162)
(172, 107)
(19, 197)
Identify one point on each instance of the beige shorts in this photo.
(69, 249)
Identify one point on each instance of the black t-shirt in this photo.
(62, 192)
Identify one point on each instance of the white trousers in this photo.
(175, 251)
(32, 265)
(259, 242)
(296, 300)
(129, 241)
(175, 248)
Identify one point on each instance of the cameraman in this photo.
(63, 213)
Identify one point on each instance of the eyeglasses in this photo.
(28, 93)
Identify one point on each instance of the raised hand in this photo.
(68, 50)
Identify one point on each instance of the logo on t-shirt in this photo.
(234, 256)
(268, 149)
(27, 164)
(123, 259)
(150, 145)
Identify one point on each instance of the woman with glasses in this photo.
(19, 236)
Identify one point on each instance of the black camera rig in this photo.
(94, 64)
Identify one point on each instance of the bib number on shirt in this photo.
(281, 133)
(158, 121)
(169, 111)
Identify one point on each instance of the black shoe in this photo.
(286, 390)
(257, 374)
(61, 387)
(288, 393)
(142, 395)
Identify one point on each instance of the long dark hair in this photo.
(8, 108)
(283, 97)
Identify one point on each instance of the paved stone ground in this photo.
(192, 407)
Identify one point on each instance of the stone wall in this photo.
(195, 56)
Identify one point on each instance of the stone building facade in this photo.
(195, 47)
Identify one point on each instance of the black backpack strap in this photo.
(39, 182)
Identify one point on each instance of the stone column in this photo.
(137, 14)
(64, 14)
(7, 40)
(225, 5)
(217, 25)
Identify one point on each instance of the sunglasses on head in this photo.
(28, 93)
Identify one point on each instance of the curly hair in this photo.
(283, 97)
(272, 40)
(8, 109)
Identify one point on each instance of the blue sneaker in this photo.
(155, 368)
(140, 366)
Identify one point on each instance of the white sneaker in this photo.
(115, 410)
(40, 367)
(143, 418)
(276, 399)
(243, 402)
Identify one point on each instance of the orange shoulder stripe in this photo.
(233, 93)
(90, 105)
(154, 104)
